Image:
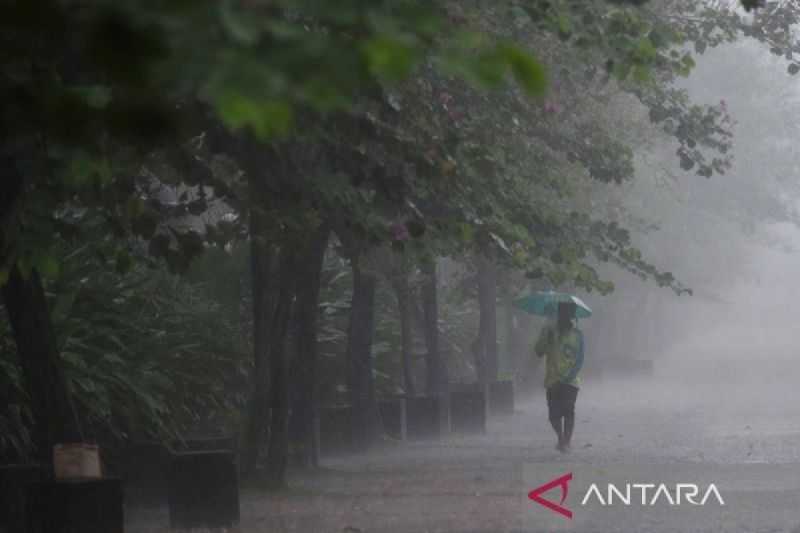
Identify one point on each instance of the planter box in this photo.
(14, 483)
(501, 397)
(75, 505)
(640, 367)
(145, 468)
(310, 457)
(469, 407)
(203, 490)
(393, 415)
(427, 417)
(336, 430)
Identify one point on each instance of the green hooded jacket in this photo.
(563, 355)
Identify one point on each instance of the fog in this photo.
(314, 299)
(733, 238)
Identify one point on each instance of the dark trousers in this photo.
(561, 401)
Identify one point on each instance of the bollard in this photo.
(469, 407)
(641, 367)
(145, 468)
(203, 490)
(14, 482)
(393, 416)
(427, 417)
(75, 505)
(335, 430)
(501, 397)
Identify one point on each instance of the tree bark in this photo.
(366, 418)
(436, 369)
(304, 365)
(401, 289)
(278, 451)
(511, 350)
(258, 409)
(54, 413)
(487, 364)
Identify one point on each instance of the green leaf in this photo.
(267, 118)
(645, 51)
(467, 232)
(687, 64)
(527, 70)
(123, 262)
(389, 58)
(95, 96)
(489, 67)
(620, 70)
(700, 47)
(81, 169)
(47, 265)
(564, 26)
(240, 28)
(641, 74)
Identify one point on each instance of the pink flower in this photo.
(455, 115)
(551, 107)
(399, 231)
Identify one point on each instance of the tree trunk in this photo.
(258, 409)
(401, 289)
(366, 418)
(487, 364)
(54, 414)
(511, 349)
(436, 369)
(304, 365)
(278, 451)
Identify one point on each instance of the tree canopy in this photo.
(347, 144)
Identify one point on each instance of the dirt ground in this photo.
(476, 483)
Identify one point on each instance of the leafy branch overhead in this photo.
(147, 145)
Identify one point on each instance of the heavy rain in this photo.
(438, 266)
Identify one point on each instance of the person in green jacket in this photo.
(562, 347)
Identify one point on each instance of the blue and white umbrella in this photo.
(545, 303)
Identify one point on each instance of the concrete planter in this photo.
(145, 468)
(203, 490)
(336, 430)
(641, 367)
(394, 417)
(306, 453)
(14, 483)
(469, 407)
(67, 506)
(427, 417)
(501, 397)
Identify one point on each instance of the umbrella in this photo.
(546, 303)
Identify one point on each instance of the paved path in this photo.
(478, 483)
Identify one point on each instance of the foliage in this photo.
(391, 121)
(88, 91)
(146, 353)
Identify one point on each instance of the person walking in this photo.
(562, 347)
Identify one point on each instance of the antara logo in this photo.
(563, 482)
(649, 494)
(677, 495)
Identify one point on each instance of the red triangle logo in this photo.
(563, 482)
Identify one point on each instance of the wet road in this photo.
(479, 483)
